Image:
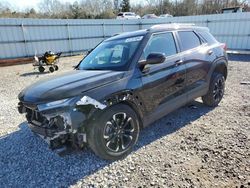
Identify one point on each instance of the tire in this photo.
(56, 68)
(41, 69)
(216, 90)
(51, 69)
(110, 137)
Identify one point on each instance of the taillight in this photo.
(224, 46)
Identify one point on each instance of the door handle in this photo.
(210, 52)
(178, 62)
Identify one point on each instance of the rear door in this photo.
(197, 59)
(162, 82)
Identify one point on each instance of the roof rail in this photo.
(172, 25)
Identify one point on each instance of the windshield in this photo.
(111, 55)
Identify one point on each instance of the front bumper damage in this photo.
(62, 125)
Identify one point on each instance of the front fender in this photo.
(93, 108)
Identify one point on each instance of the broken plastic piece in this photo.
(88, 100)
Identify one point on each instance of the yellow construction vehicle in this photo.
(49, 59)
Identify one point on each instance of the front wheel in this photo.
(41, 69)
(115, 132)
(216, 90)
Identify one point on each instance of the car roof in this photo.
(157, 28)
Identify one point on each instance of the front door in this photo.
(162, 82)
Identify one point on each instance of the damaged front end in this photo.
(61, 122)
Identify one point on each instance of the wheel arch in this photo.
(135, 109)
(127, 97)
(219, 66)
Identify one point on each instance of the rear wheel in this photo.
(115, 133)
(56, 67)
(216, 90)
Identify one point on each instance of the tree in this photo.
(125, 6)
(168, 7)
(51, 7)
(82, 9)
(32, 11)
(76, 10)
(116, 5)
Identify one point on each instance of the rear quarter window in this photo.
(188, 40)
(209, 38)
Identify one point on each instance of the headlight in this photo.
(55, 104)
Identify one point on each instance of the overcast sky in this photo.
(24, 4)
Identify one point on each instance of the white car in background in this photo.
(149, 16)
(165, 16)
(127, 16)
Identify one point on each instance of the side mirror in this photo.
(152, 58)
(155, 58)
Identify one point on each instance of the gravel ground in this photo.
(195, 146)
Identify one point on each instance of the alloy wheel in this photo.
(218, 90)
(119, 132)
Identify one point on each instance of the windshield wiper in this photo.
(92, 68)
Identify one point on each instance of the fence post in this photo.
(207, 21)
(122, 27)
(140, 25)
(24, 40)
(69, 38)
(103, 30)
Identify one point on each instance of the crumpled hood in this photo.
(67, 85)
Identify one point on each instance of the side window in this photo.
(128, 14)
(160, 43)
(208, 37)
(188, 40)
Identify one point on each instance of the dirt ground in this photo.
(195, 146)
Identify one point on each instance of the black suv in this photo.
(125, 83)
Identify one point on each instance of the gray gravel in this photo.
(191, 147)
